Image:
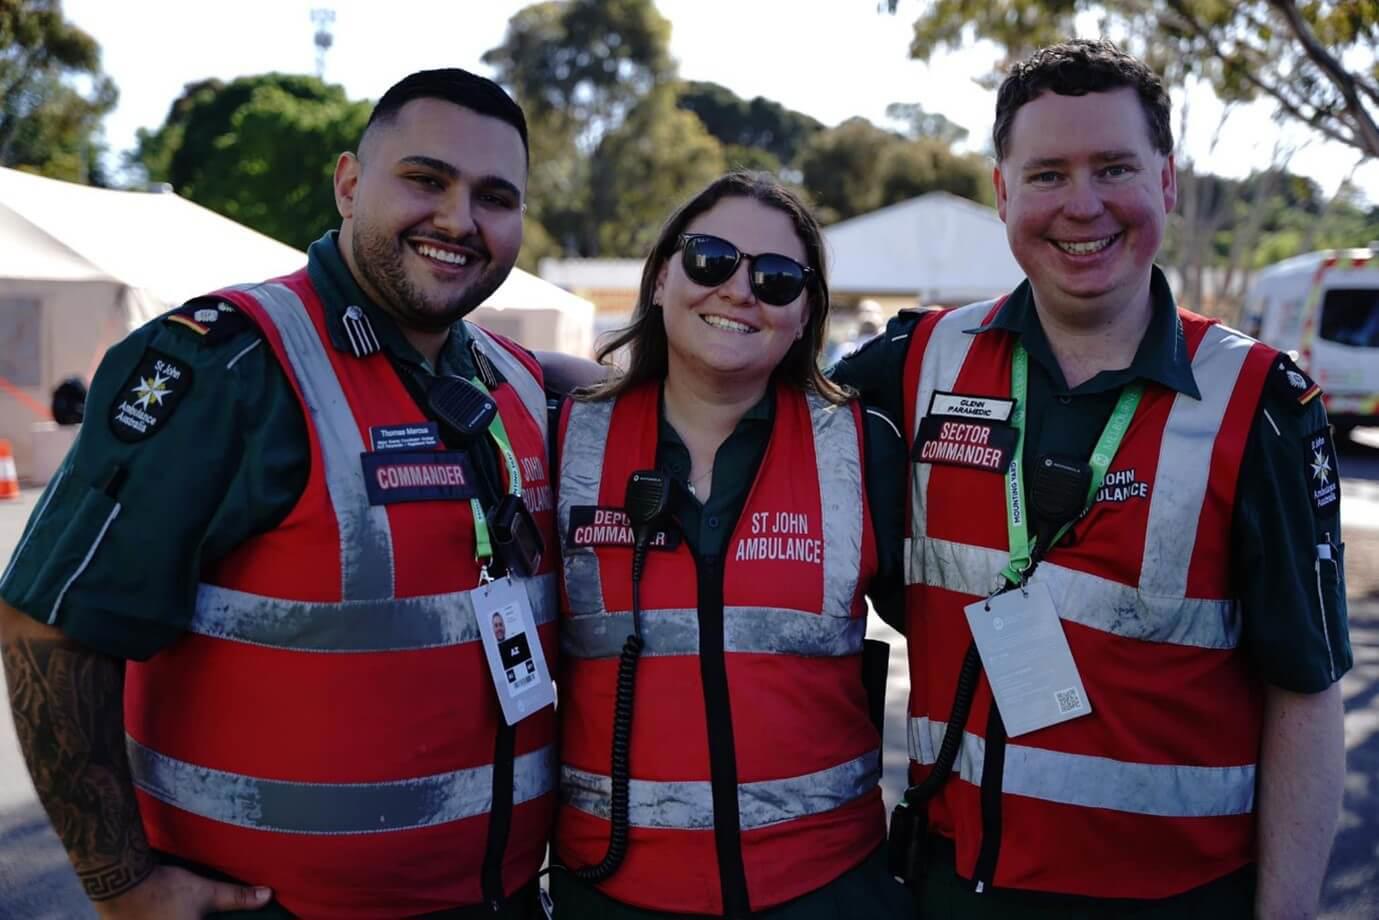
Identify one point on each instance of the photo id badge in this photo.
(1027, 659)
(513, 648)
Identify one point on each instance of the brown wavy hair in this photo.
(645, 336)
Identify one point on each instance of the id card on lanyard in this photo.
(502, 611)
(1024, 652)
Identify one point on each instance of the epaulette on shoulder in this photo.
(214, 321)
(1289, 384)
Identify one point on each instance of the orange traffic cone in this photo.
(9, 476)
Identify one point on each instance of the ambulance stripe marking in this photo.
(333, 808)
(581, 473)
(377, 625)
(1090, 600)
(366, 542)
(1098, 782)
(1180, 485)
(760, 630)
(841, 501)
(943, 359)
(688, 804)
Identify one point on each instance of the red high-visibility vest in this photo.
(328, 726)
(749, 687)
(1153, 793)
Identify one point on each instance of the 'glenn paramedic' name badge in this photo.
(1027, 659)
(513, 649)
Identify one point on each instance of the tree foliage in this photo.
(53, 93)
(260, 150)
(579, 68)
(758, 123)
(858, 167)
(657, 158)
(1316, 60)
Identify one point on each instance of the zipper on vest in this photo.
(713, 669)
(499, 816)
(993, 774)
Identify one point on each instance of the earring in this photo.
(799, 334)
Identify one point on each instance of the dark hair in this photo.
(646, 334)
(451, 84)
(1076, 68)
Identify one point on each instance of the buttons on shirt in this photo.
(712, 521)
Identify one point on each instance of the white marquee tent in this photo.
(80, 267)
(938, 247)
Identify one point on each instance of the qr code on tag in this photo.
(1068, 700)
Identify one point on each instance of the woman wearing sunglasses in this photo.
(718, 759)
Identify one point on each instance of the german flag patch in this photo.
(214, 321)
(1290, 384)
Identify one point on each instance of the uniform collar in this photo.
(1161, 358)
(359, 327)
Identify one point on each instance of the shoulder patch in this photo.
(1323, 477)
(149, 397)
(214, 321)
(1290, 384)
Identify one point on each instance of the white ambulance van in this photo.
(1323, 309)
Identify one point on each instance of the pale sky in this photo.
(831, 60)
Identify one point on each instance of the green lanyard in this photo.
(483, 543)
(1017, 517)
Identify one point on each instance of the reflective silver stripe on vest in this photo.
(531, 393)
(333, 808)
(429, 621)
(1098, 782)
(1180, 485)
(581, 474)
(366, 543)
(840, 498)
(1086, 599)
(688, 805)
(943, 359)
(764, 630)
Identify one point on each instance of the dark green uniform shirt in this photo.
(1294, 628)
(115, 547)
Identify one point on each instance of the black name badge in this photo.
(417, 476)
(601, 525)
(412, 436)
(976, 445)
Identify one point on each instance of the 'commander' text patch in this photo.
(957, 442)
(598, 525)
(417, 476)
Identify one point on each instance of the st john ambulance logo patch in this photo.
(148, 398)
(1322, 478)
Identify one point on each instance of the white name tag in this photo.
(513, 648)
(1027, 660)
(988, 408)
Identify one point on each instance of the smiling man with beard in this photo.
(242, 630)
(1126, 631)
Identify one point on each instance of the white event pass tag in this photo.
(513, 648)
(1027, 659)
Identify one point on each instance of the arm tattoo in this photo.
(69, 715)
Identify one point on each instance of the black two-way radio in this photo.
(647, 498)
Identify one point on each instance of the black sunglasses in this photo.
(710, 261)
